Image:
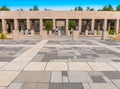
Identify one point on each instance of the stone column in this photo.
(54, 27)
(80, 25)
(44, 35)
(4, 24)
(67, 21)
(15, 24)
(93, 24)
(41, 26)
(117, 26)
(28, 24)
(109, 26)
(105, 24)
(75, 35)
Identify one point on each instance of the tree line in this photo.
(77, 8)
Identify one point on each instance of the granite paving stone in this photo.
(73, 86)
(102, 86)
(33, 76)
(79, 77)
(35, 66)
(112, 74)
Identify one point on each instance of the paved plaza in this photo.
(88, 63)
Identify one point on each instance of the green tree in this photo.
(118, 8)
(48, 25)
(89, 9)
(107, 8)
(35, 8)
(72, 24)
(79, 8)
(4, 8)
(30, 9)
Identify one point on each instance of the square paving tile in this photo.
(55, 86)
(35, 86)
(56, 77)
(15, 86)
(98, 79)
(73, 86)
(14, 66)
(116, 82)
(102, 86)
(6, 77)
(33, 77)
(79, 66)
(56, 66)
(77, 76)
(101, 66)
(6, 59)
(35, 66)
(2, 64)
(115, 65)
(112, 74)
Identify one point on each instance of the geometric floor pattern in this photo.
(60, 64)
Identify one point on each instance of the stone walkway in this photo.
(60, 64)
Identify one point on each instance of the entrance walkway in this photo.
(60, 64)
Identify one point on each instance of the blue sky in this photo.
(57, 4)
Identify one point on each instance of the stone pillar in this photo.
(67, 21)
(117, 26)
(50, 33)
(80, 25)
(59, 33)
(105, 35)
(75, 35)
(32, 32)
(93, 24)
(4, 24)
(109, 23)
(41, 26)
(54, 27)
(105, 25)
(15, 34)
(86, 32)
(44, 34)
(16, 24)
(28, 24)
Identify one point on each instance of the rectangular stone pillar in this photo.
(93, 25)
(80, 25)
(67, 22)
(50, 33)
(59, 33)
(16, 24)
(41, 26)
(28, 24)
(117, 26)
(4, 25)
(75, 35)
(105, 25)
(15, 34)
(105, 35)
(32, 32)
(54, 25)
(44, 34)
(86, 32)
